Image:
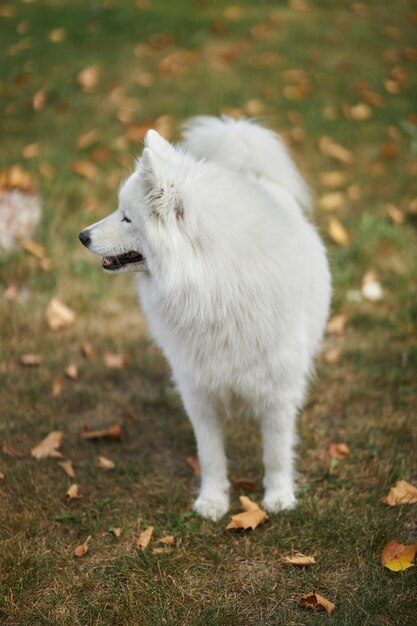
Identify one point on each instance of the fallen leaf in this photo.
(117, 532)
(360, 112)
(397, 556)
(87, 139)
(192, 462)
(252, 516)
(333, 355)
(46, 170)
(31, 151)
(335, 151)
(339, 451)
(57, 386)
(333, 180)
(87, 350)
(39, 100)
(12, 452)
(336, 325)
(332, 201)
(315, 601)
(31, 359)
(48, 447)
(113, 432)
(401, 493)
(57, 35)
(105, 463)
(2, 476)
(34, 248)
(143, 538)
(371, 287)
(115, 361)
(86, 169)
(167, 540)
(58, 315)
(83, 548)
(247, 485)
(395, 214)
(299, 559)
(71, 371)
(68, 468)
(161, 550)
(73, 492)
(88, 78)
(338, 232)
(389, 151)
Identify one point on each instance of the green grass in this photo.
(211, 577)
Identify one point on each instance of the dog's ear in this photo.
(157, 165)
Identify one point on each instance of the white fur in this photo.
(235, 286)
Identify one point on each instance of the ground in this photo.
(303, 67)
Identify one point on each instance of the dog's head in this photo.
(155, 217)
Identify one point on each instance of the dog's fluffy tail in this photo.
(245, 146)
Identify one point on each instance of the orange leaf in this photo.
(48, 447)
(143, 538)
(194, 464)
(73, 492)
(299, 559)
(167, 540)
(401, 493)
(315, 601)
(87, 139)
(248, 485)
(86, 169)
(338, 451)
(397, 556)
(68, 468)
(58, 315)
(113, 432)
(12, 452)
(252, 516)
(83, 548)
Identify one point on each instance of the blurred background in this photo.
(80, 84)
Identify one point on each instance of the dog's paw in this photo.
(212, 507)
(279, 500)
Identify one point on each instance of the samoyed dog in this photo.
(234, 281)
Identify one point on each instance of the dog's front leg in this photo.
(213, 498)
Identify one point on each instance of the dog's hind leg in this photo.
(213, 498)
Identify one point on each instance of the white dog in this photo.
(234, 282)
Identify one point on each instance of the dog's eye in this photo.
(126, 219)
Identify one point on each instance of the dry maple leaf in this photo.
(143, 538)
(315, 601)
(252, 516)
(31, 359)
(401, 493)
(192, 462)
(12, 452)
(58, 315)
(115, 361)
(105, 463)
(82, 548)
(299, 559)
(73, 492)
(397, 556)
(71, 371)
(48, 447)
(57, 35)
(167, 540)
(395, 214)
(113, 432)
(338, 232)
(87, 350)
(339, 451)
(68, 468)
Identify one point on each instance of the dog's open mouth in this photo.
(114, 263)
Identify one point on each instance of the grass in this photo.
(230, 60)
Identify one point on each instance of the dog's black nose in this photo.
(85, 238)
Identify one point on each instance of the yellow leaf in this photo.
(73, 492)
(82, 549)
(299, 559)
(338, 232)
(401, 493)
(68, 468)
(57, 35)
(58, 315)
(397, 556)
(252, 516)
(315, 601)
(143, 538)
(48, 447)
(333, 180)
(31, 151)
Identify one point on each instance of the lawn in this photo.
(338, 80)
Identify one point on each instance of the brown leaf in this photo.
(34, 248)
(117, 532)
(192, 462)
(113, 432)
(252, 516)
(333, 355)
(247, 485)
(31, 151)
(315, 601)
(73, 492)
(336, 325)
(333, 180)
(115, 361)
(39, 100)
(105, 463)
(57, 35)
(338, 232)
(87, 350)
(87, 139)
(59, 316)
(360, 112)
(88, 78)
(71, 371)
(86, 169)
(12, 452)
(395, 214)
(389, 151)
(335, 151)
(83, 548)
(31, 359)
(143, 538)
(401, 493)
(167, 540)
(299, 559)
(68, 468)
(57, 386)
(332, 201)
(2, 476)
(48, 447)
(339, 451)
(137, 133)
(397, 557)
(46, 170)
